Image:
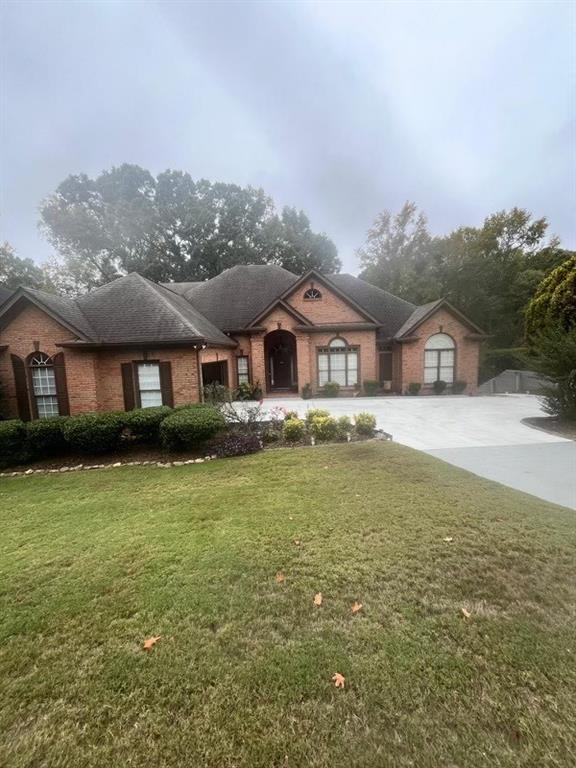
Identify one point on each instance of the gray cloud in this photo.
(341, 109)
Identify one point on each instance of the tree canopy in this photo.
(489, 272)
(171, 227)
(554, 303)
(15, 271)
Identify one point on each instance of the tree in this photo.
(398, 255)
(15, 271)
(553, 354)
(554, 302)
(171, 227)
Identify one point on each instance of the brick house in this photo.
(135, 343)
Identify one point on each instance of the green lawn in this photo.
(93, 563)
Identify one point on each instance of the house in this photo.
(135, 343)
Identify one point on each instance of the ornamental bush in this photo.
(248, 391)
(294, 430)
(306, 392)
(233, 444)
(344, 427)
(323, 428)
(371, 387)
(439, 386)
(45, 437)
(365, 424)
(144, 423)
(190, 427)
(331, 389)
(94, 432)
(414, 388)
(13, 444)
(314, 412)
(458, 387)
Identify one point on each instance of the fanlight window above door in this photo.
(312, 294)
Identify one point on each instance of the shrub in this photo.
(414, 388)
(553, 355)
(365, 424)
(344, 427)
(371, 387)
(45, 437)
(190, 427)
(247, 391)
(306, 392)
(331, 389)
(291, 415)
(13, 448)
(144, 423)
(314, 412)
(324, 428)
(94, 432)
(458, 387)
(439, 386)
(233, 444)
(294, 430)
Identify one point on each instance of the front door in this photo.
(281, 366)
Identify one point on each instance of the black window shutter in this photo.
(61, 384)
(166, 384)
(128, 386)
(20, 380)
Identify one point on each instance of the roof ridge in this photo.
(377, 287)
(157, 289)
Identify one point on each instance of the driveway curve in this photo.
(484, 435)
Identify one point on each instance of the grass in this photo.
(93, 563)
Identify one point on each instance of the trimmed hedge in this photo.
(189, 427)
(94, 432)
(45, 437)
(371, 387)
(414, 388)
(145, 423)
(13, 445)
(439, 386)
(314, 412)
(331, 389)
(345, 427)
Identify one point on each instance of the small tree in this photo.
(553, 354)
(554, 302)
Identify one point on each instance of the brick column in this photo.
(258, 362)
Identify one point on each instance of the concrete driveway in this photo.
(484, 435)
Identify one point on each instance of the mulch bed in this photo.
(553, 425)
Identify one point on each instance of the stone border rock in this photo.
(78, 467)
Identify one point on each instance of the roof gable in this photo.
(60, 308)
(425, 311)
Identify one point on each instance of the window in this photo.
(312, 294)
(338, 362)
(44, 386)
(243, 370)
(439, 357)
(149, 385)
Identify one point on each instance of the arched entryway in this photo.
(281, 365)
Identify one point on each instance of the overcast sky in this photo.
(339, 109)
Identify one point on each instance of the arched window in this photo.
(338, 362)
(43, 380)
(439, 359)
(312, 294)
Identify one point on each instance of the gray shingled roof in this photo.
(233, 298)
(389, 310)
(180, 288)
(4, 293)
(416, 316)
(134, 309)
(65, 308)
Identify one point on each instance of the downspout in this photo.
(200, 382)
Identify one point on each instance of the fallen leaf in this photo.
(151, 642)
(466, 613)
(448, 538)
(339, 680)
(280, 578)
(356, 606)
(297, 542)
(318, 598)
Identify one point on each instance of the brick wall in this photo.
(32, 330)
(467, 350)
(329, 309)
